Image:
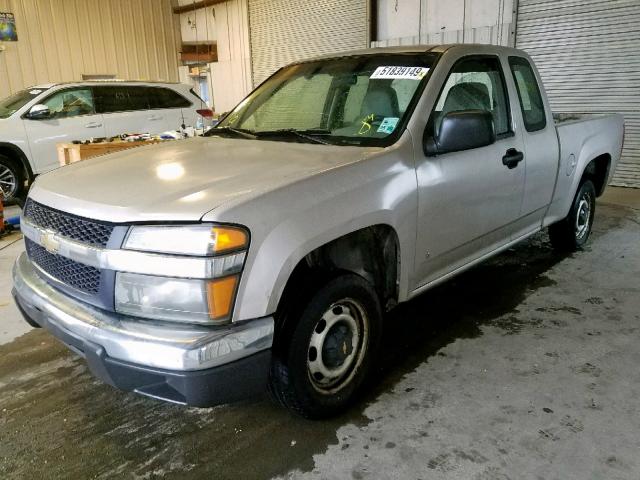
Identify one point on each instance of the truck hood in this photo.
(183, 180)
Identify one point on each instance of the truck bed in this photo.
(582, 137)
(563, 118)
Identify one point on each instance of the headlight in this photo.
(207, 301)
(198, 240)
(176, 299)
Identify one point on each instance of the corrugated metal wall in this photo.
(492, 35)
(283, 31)
(59, 40)
(588, 53)
(430, 22)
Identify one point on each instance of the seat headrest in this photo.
(467, 96)
(381, 100)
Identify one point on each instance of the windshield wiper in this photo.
(236, 131)
(309, 134)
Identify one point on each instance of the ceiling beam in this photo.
(196, 5)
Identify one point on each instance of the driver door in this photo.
(72, 118)
(467, 200)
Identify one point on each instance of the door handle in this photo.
(512, 158)
(153, 118)
(93, 125)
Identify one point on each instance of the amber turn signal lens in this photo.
(220, 295)
(228, 238)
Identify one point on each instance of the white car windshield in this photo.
(360, 100)
(13, 103)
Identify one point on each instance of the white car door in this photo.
(73, 117)
(126, 109)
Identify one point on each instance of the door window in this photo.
(166, 98)
(70, 103)
(475, 83)
(138, 98)
(121, 98)
(529, 93)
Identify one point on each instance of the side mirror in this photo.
(39, 112)
(461, 130)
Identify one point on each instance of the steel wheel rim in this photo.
(8, 182)
(583, 216)
(337, 346)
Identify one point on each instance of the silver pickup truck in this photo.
(264, 255)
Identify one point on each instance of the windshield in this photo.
(361, 100)
(13, 103)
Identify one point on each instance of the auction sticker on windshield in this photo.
(388, 125)
(405, 73)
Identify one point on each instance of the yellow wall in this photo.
(59, 40)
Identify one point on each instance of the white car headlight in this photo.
(207, 301)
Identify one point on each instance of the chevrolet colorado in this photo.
(264, 255)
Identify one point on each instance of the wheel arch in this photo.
(598, 171)
(15, 153)
(372, 252)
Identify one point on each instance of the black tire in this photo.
(12, 180)
(572, 233)
(295, 380)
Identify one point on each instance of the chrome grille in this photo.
(76, 228)
(74, 274)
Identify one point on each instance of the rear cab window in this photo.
(531, 103)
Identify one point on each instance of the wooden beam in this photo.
(199, 53)
(196, 5)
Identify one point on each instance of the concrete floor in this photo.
(11, 323)
(523, 368)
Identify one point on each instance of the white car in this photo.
(34, 120)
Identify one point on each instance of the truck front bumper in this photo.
(186, 364)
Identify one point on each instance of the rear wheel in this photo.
(11, 179)
(323, 359)
(573, 232)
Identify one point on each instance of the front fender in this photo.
(302, 247)
(289, 223)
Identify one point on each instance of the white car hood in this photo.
(183, 180)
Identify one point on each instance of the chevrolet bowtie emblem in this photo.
(49, 241)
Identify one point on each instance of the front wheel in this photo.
(573, 232)
(324, 358)
(11, 180)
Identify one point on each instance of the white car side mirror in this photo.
(39, 112)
